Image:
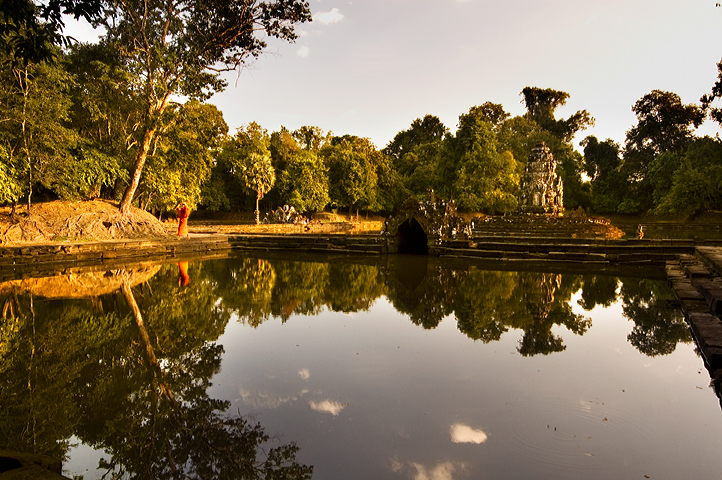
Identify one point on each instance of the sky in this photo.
(370, 67)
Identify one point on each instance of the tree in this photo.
(473, 169)
(180, 47)
(414, 154)
(694, 184)
(304, 182)
(184, 157)
(235, 169)
(663, 125)
(707, 99)
(422, 131)
(600, 158)
(106, 112)
(259, 175)
(30, 32)
(34, 105)
(311, 138)
(541, 104)
(352, 174)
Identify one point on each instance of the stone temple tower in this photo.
(541, 190)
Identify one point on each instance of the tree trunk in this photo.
(127, 200)
(258, 215)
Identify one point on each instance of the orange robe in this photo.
(183, 277)
(183, 213)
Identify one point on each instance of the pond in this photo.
(394, 367)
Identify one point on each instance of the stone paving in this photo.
(697, 283)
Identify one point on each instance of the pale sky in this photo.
(370, 67)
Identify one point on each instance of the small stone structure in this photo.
(542, 190)
(420, 224)
(285, 214)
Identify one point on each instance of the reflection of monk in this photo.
(183, 212)
(183, 277)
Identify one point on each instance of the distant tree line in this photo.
(106, 120)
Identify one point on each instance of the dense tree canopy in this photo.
(181, 47)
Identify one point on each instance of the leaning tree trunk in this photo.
(155, 110)
(137, 170)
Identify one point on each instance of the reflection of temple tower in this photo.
(539, 292)
(539, 295)
(542, 190)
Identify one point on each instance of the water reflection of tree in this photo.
(598, 290)
(257, 289)
(657, 328)
(99, 377)
(424, 293)
(489, 303)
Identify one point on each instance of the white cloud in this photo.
(301, 33)
(440, 471)
(327, 18)
(302, 52)
(268, 400)
(461, 433)
(327, 406)
(304, 373)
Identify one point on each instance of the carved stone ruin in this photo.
(285, 214)
(419, 224)
(542, 190)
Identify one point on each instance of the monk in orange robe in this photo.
(183, 212)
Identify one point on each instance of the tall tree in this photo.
(184, 158)
(414, 153)
(181, 47)
(351, 172)
(34, 104)
(601, 164)
(304, 183)
(541, 104)
(540, 124)
(258, 175)
(664, 124)
(474, 170)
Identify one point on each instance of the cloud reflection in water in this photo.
(328, 406)
(461, 433)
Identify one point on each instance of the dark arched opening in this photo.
(411, 238)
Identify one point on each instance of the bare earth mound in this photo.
(90, 220)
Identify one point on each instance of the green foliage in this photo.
(351, 171)
(304, 182)
(311, 138)
(474, 171)
(414, 154)
(10, 183)
(657, 328)
(663, 125)
(541, 104)
(86, 173)
(30, 32)
(183, 50)
(34, 105)
(600, 158)
(422, 131)
(696, 184)
(184, 157)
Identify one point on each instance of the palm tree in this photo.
(259, 175)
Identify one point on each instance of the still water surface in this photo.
(398, 368)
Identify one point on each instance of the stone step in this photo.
(707, 330)
(711, 289)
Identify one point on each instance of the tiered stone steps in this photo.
(697, 284)
(578, 250)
